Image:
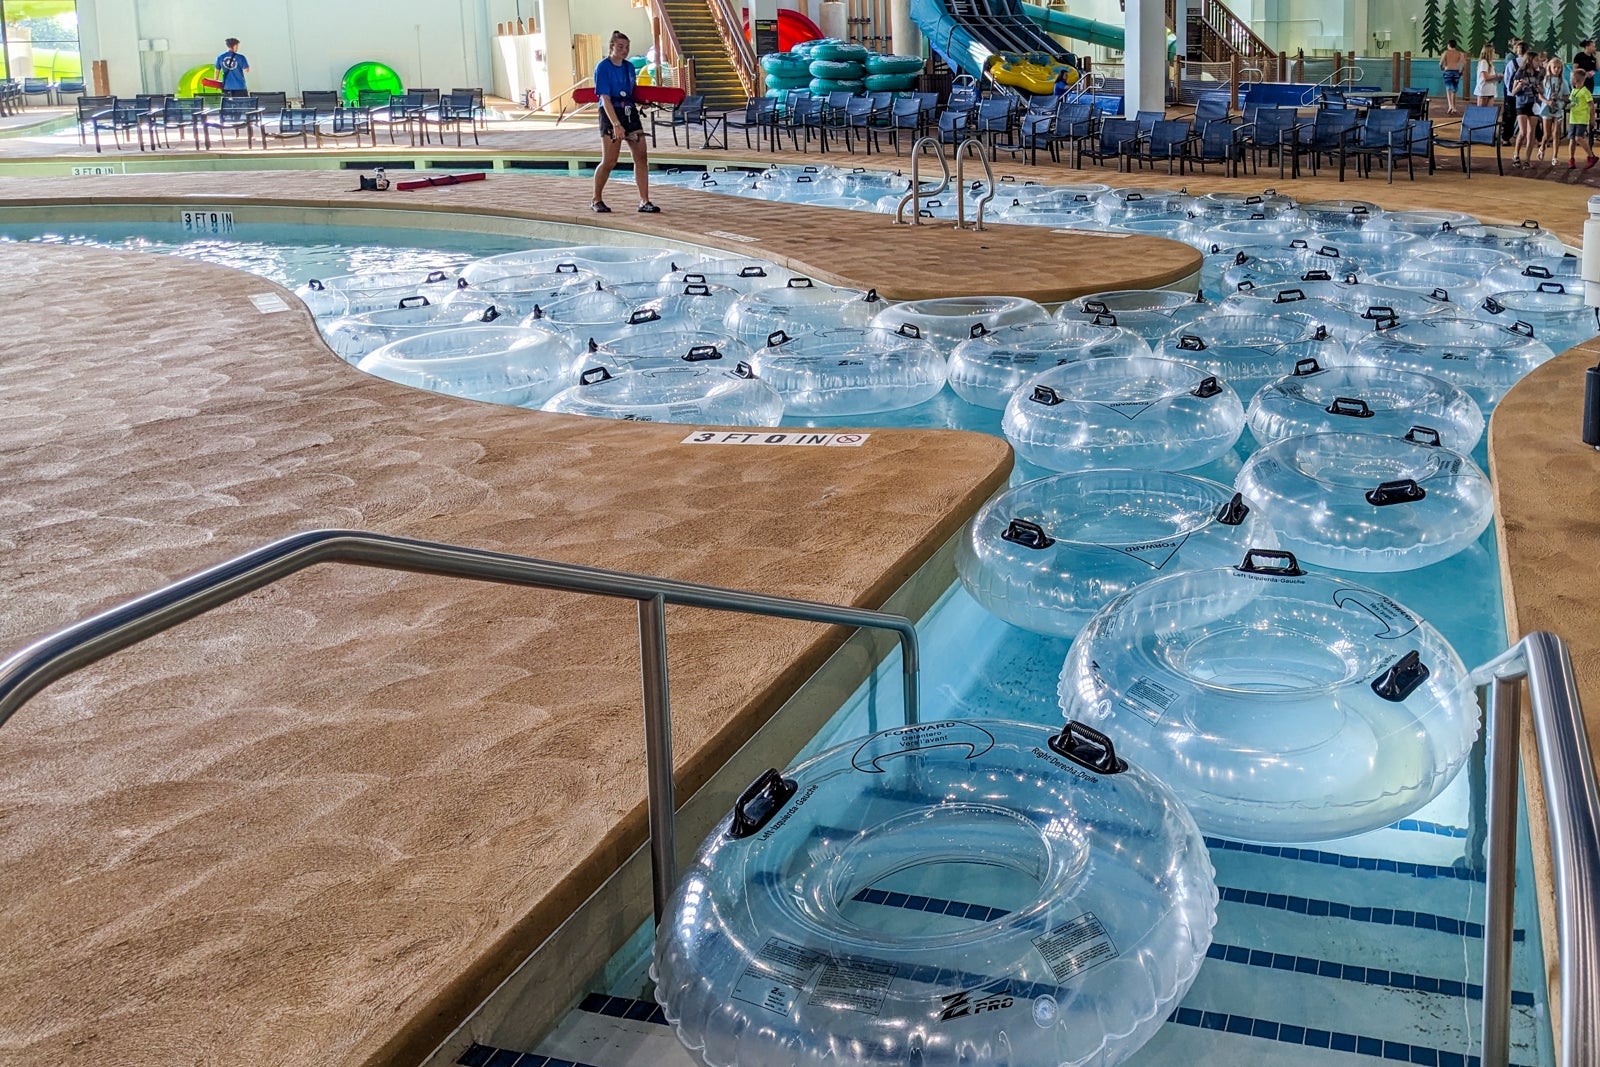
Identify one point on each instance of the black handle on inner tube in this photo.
(1400, 491)
(1233, 512)
(1027, 534)
(1402, 679)
(770, 786)
(1287, 567)
(1352, 406)
(1088, 747)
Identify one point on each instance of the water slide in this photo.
(978, 29)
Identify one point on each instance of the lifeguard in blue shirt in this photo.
(232, 67)
(619, 121)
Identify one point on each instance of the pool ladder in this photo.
(916, 195)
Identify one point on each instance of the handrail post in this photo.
(961, 183)
(1503, 725)
(661, 793)
(914, 197)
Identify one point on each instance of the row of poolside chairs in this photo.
(318, 116)
(17, 94)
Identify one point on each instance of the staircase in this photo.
(699, 30)
(1214, 34)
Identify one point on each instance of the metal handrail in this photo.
(914, 197)
(1573, 813)
(563, 94)
(961, 184)
(740, 52)
(26, 672)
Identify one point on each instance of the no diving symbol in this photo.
(848, 439)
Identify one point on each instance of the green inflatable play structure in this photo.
(189, 80)
(370, 76)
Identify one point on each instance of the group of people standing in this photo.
(1542, 102)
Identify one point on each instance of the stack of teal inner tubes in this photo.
(892, 73)
(786, 71)
(837, 67)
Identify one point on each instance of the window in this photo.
(39, 39)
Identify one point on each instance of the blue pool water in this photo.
(1346, 952)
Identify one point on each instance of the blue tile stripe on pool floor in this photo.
(1349, 863)
(1436, 828)
(1240, 1025)
(1374, 976)
(1420, 920)
(488, 1056)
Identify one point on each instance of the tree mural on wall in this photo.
(1501, 15)
(1450, 23)
(1478, 27)
(1569, 26)
(1431, 43)
(1523, 26)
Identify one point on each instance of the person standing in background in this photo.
(1584, 60)
(1487, 76)
(231, 69)
(1451, 66)
(619, 121)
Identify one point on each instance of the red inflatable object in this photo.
(443, 179)
(646, 94)
(793, 28)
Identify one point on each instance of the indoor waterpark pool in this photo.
(1340, 318)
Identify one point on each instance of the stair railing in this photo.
(51, 658)
(1573, 821)
(730, 27)
(914, 197)
(562, 97)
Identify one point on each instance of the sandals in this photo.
(648, 208)
(599, 207)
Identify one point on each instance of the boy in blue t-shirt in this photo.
(619, 121)
(231, 69)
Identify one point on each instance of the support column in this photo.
(1145, 57)
(905, 38)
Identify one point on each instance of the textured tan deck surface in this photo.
(902, 262)
(319, 825)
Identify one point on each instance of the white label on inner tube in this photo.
(1149, 698)
(1076, 947)
(854, 985)
(773, 980)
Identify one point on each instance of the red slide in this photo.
(793, 28)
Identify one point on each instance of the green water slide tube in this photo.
(1082, 29)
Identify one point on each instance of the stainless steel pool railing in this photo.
(961, 184)
(914, 197)
(1573, 812)
(25, 673)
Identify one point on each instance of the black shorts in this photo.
(1525, 109)
(631, 123)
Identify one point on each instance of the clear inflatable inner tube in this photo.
(799, 306)
(1482, 358)
(1264, 205)
(851, 370)
(740, 275)
(1080, 906)
(519, 294)
(616, 263)
(1523, 242)
(1258, 265)
(1047, 213)
(1348, 312)
(947, 321)
(499, 364)
(1368, 502)
(1280, 705)
(1240, 233)
(1150, 313)
(1323, 215)
(1248, 351)
(665, 348)
(1424, 223)
(685, 392)
(1123, 411)
(1530, 275)
(1366, 399)
(1472, 262)
(1373, 247)
(357, 294)
(1555, 312)
(1049, 553)
(988, 368)
(698, 302)
(578, 308)
(1122, 205)
(353, 336)
(1458, 289)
